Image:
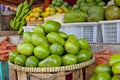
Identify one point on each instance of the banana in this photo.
(20, 6)
(21, 15)
(18, 20)
(25, 7)
(26, 11)
(19, 9)
(22, 23)
(20, 31)
(25, 3)
(17, 25)
(11, 23)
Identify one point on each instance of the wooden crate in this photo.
(71, 75)
(8, 33)
(34, 23)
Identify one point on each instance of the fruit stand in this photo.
(61, 40)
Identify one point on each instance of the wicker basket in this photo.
(52, 69)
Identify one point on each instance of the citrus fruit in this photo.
(84, 55)
(27, 36)
(20, 60)
(114, 59)
(116, 68)
(56, 48)
(31, 61)
(12, 55)
(36, 14)
(69, 59)
(41, 51)
(25, 48)
(103, 76)
(102, 68)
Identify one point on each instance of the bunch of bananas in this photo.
(18, 22)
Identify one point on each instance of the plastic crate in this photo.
(28, 28)
(88, 30)
(110, 31)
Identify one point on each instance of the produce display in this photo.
(46, 46)
(109, 71)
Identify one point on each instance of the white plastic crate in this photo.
(88, 30)
(28, 28)
(110, 31)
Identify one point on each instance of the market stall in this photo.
(61, 40)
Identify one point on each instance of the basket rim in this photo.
(51, 69)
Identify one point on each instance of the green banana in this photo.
(19, 9)
(11, 23)
(17, 25)
(22, 24)
(26, 11)
(20, 6)
(18, 20)
(20, 31)
(25, 3)
(24, 17)
(25, 7)
(21, 15)
(31, 3)
(14, 18)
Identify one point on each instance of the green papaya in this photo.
(51, 61)
(72, 45)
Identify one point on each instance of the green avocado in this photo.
(72, 45)
(51, 26)
(51, 61)
(55, 37)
